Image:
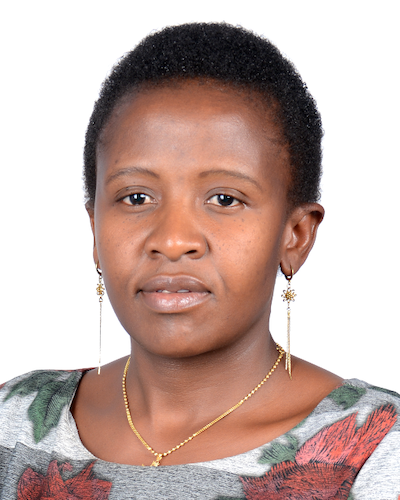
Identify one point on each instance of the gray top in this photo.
(347, 448)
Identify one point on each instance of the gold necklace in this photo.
(160, 456)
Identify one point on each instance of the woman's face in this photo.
(189, 215)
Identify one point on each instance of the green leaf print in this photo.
(347, 395)
(32, 383)
(277, 452)
(52, 396)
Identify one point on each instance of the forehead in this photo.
(192, 119)
(186, 96)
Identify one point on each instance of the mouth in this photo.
(173, 294)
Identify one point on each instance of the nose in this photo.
(175, 234)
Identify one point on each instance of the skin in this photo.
(191, 195)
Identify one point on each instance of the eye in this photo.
(137, 199)
(224, 200)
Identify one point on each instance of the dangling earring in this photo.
(288, 296)
(100, 292)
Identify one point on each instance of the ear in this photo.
(299, 236)
(90, 210)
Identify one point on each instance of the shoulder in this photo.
(35, 399)
(368, 403)
(375, 412)
(349, 444)
(372, 412)
(36, 381)
(378, 410)
(359, 394)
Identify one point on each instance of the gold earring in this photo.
(288, 296)
(100, 292)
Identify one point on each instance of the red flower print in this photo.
(326, 465)
(84, 486)
(301, 482)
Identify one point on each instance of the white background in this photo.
(54, 56)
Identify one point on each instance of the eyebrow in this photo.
(237, 175)
(130, 171)
(145, 171)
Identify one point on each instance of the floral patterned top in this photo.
(347, 448)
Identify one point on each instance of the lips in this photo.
(174, 284)
(172, 294)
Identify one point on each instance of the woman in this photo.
(202, 168)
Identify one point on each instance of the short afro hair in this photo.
(233, 56)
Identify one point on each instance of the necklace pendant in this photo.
(157, 461)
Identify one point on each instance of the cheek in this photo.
(116, 247)
(250, 258)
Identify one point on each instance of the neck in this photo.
(185, 386)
